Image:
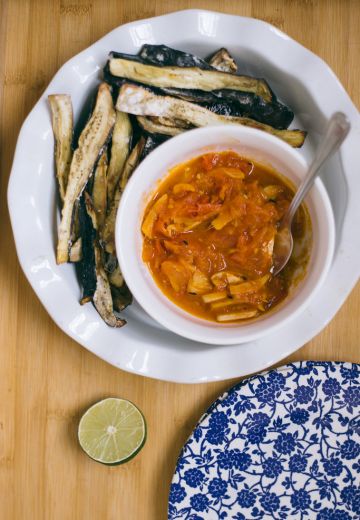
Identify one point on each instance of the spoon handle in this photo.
(337, 129)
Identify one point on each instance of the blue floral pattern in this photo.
(283, 444)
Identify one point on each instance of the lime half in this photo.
(112, 431)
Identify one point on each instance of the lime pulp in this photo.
(112, 431)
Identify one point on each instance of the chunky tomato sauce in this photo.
(209, 234)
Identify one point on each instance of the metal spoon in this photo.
(336, 131)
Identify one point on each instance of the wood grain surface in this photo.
(46, 379)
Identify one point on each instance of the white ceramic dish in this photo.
(249, 143)
(302, 80)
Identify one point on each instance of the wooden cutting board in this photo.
(47, 380)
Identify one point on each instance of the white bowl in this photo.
(252, 144)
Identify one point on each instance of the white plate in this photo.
(302, 80)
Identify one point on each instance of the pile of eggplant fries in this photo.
(144, 100)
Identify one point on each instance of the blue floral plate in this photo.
(282, 444)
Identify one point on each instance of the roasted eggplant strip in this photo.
(62, 123)
(120, 146)
(99, 191)
(186, 77)
(236, 103)
(87, 263)
(131, 163)
(91, 142)
(102, 298)
(223, 61)
(108, 234)
(140, 101)
(95, 282)
(162, 55)
(84, 115)
(244, 104)
(239, 104)
(249, 105)
(153, 127)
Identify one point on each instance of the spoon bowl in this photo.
(336, 131)
(283, 247)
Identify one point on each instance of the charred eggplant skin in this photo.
(164, 56)
(152, 141)
(237, 103)
(86, 266)
(108, 232)
(121, 297)
(249, 105)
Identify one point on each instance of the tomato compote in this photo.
(209, 235)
